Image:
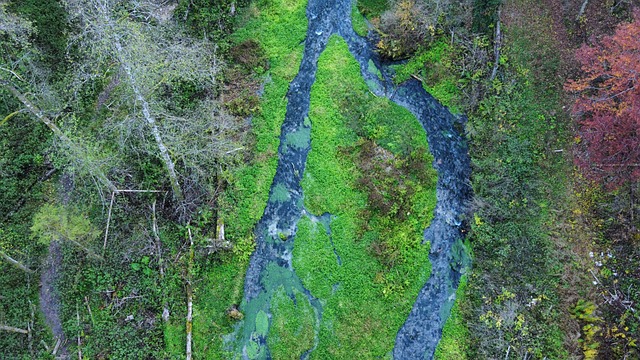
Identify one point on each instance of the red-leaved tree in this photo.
(608, 106)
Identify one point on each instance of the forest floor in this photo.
(540, 39)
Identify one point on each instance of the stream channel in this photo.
(271, 267)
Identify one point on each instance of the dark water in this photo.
(271, 268)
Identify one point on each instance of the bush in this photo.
(406, 25)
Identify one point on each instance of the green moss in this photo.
(314, 260)
(454, 343)
(292, 332)
(173, 338)
(358, 21)
(280, 193)
(220, 288)
(341, 106)
(435, 66)
(372, 68)
(372, 8)
(299, 138)
(262, 323)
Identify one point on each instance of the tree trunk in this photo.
(124, 60)
(496, 49)
(164, 153)
(582, 9)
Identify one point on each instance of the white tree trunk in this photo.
(124, 59)
(164, 153)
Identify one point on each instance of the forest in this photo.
(319, 179)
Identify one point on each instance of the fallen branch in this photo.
(189, 296)
(582, 9)
(86, 301)
(46, 347)
(13, 329)
(30, 326)
(55, 348)
(234, 150)
(106, 231)
(138, 191)
(154, 228)
(79, 342)
(113, 194)
(15, 263)
(417, 77)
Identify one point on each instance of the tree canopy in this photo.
(608, 106)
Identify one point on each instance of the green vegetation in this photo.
(555, 254)
(128, 288)
(212, 19)
(292, 332)
(25, 168)
(512, 295)
(49, 20)
(372, 8)
(358, 21)
(435, 67)
(382, 262)
(278, 28)
(455, 333)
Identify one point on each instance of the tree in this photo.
(153, 60)
(53, 223)
(19, 68)
(608, 106)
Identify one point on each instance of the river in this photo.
(271, 264)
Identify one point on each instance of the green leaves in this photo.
(53, 222)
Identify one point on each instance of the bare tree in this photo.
(19, 69)
(152, 56)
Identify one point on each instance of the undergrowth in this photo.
(512, 303)
(435, 67)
